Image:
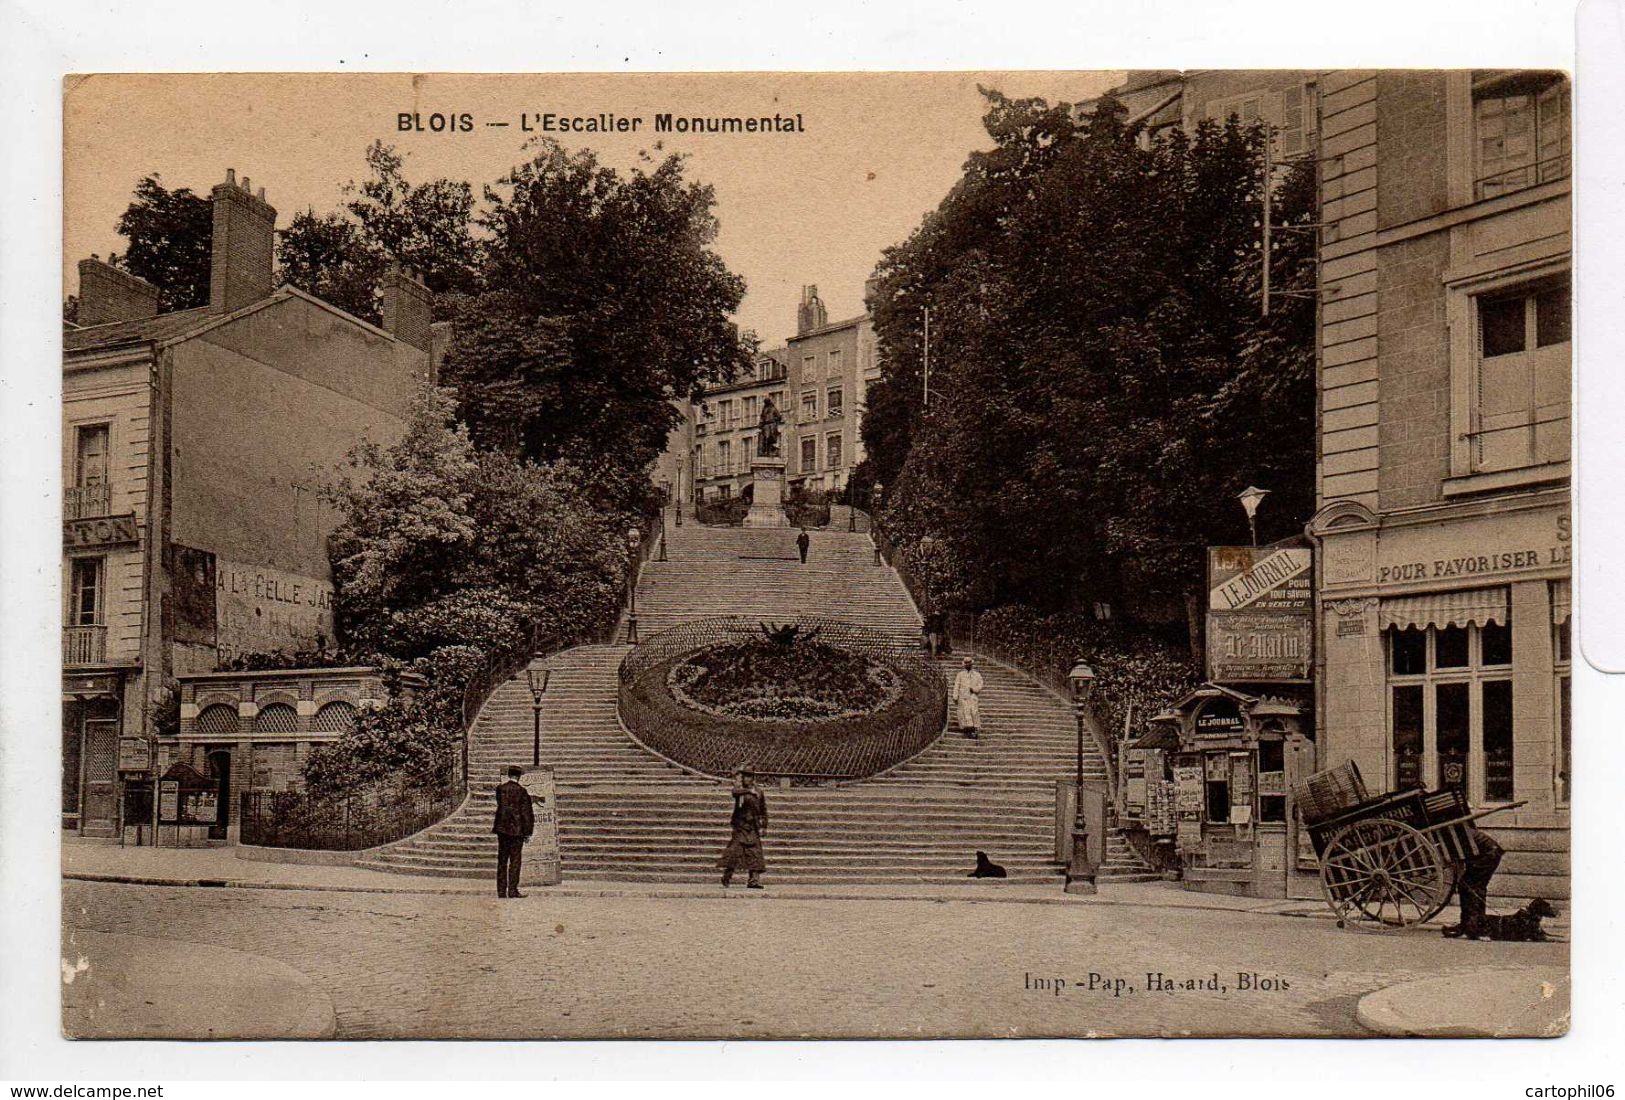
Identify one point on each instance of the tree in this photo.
(341, 257)
(170, 235)
(1102, 383)
(603, 304)
(329, 257)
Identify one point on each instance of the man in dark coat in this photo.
(803, 541)
(515, 821)
(1473, 886)
(748, 823)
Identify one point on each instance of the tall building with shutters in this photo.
(193, 531)
(1444, 641)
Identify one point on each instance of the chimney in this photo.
(810, 314)
(107, 294)
(244, 239)
(408, 309)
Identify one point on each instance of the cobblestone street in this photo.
(751, 966)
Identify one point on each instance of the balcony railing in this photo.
(84, 645)
(87, 501)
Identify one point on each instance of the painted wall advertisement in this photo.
(261, 610)
(1260, 619)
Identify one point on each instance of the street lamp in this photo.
(1250, 499)
(666, 490)
(1080, 874)
(634, 539)
(537, 678)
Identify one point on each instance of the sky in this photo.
(878, 151)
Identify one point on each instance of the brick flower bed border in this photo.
(803, 752)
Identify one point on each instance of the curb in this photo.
(1269, 909)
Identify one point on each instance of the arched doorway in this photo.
(220, 769)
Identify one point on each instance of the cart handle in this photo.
(1485, 813)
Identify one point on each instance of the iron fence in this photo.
(829, 750)
(364, 818)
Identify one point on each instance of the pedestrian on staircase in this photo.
(803, 541)
(748, 823)
(515, 821)
(968, 699)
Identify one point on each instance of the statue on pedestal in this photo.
(767, 436)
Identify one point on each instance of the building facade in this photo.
(1444, 459)
(827, 393)
(818, 382)
(192, 526)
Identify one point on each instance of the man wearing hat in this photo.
(516, 820)
(749, 822)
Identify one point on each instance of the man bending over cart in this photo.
(1473, 885)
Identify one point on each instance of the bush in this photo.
(729, 512)
(1133, 669)
(405, 738)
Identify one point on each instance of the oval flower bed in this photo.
(806, 681)
(712, 695)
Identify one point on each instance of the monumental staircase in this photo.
(625, 814)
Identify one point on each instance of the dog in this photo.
(986, 868)
(1522, 926)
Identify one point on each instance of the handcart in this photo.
(1392, 859)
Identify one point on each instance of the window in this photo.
(833, 401)
(276, 718)
(1521, 132)
(1562, 657)
(218, 719)
(750, 413)
(90, 459)
(1289, 111)
(809, 406)
(1450, 708)
(725, 414)
(834, 362)
(809, 367)
(86, 592)
(725, 492)
(1521, 391)
(1216, 773)
(1271, 780)
(748, 448)
(832, 451)
(337, 717)
(724, 457)
(809, 455)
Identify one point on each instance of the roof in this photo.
(165, 326)
(831, 327)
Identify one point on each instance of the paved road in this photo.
(749, 966)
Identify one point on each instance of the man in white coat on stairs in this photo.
(968, 698)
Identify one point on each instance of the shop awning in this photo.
(1561, 602)
(1476, 606)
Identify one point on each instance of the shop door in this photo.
(220, 770)
(100, 808)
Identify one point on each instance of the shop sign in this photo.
(1220, 718)
(169, 800)
(80, 534)
(97, 685)
(134, 754)
(1260, 621)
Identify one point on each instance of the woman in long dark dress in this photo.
(749, 822)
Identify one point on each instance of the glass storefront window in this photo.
(1498, 740)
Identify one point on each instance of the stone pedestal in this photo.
(767, 494)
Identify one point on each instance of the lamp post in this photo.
(1080, 873)
(666, 490)
(634, 539)
(1250, 498)
(537, 677)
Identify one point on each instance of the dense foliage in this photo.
(602, 306)
(446, 558)
(1137, 673)
(170, 235)
(1102, 382)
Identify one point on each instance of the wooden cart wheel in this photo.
(1385, 871)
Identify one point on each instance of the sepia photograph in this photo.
(882, 555)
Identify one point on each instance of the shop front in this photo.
(92, 723)
(1218, 771)
(1447, 651)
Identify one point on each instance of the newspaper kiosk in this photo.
(1232, 759)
